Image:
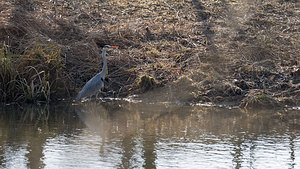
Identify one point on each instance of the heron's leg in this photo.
(97, 96)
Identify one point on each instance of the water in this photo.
(118, 134)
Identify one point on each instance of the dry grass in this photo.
(231, 46)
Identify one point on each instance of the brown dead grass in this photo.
(227, 48)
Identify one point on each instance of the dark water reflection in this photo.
(119, 134)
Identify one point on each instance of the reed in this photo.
(30, 76)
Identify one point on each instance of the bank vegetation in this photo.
(242, 52)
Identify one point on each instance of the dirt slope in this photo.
(240, 51)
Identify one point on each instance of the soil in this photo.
(242, 52)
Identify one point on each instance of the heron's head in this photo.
(108, 46)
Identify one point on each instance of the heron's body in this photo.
(97, 82)
(91, 87)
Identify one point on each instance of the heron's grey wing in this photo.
(91, 87)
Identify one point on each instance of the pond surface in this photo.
(118, 134)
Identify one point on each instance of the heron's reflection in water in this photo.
(121, 126)
(93, 116)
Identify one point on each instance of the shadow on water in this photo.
(118, 134)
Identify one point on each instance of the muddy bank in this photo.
(245, 52)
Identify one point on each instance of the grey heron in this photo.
(97, 82)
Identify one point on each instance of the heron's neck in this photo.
(104, 68)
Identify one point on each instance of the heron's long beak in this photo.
(116, 47)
